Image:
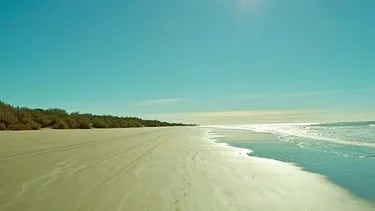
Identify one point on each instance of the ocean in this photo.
(343, 152)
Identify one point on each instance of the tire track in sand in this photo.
(123, 170)
(70, 147)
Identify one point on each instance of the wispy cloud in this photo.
(165, 101)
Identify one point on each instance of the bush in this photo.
(131, 123)
(32, 125)
(100, 124)
(72, 123)
(17, 126)
(39, 118)
(3, 126)
(84, 123)
(60, 125)
(20, 118)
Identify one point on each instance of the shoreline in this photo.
(218, 134)
(181, 168)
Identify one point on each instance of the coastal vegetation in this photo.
(22, 118)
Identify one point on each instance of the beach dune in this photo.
(176, 168)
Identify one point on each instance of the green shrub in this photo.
(3, 126)
(40, 118)
(32, 125)
(17, 126)
(100, 124)
(60, 125)
(20, 118)
(72, 123)
(84, 125)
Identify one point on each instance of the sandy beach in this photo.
(176, 168)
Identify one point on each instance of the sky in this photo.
(200, 61)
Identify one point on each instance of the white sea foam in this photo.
(303, 130)
(243, 152)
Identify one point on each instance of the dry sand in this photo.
(152, 169)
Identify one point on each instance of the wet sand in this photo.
(152, 169)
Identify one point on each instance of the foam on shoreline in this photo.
(290, 168)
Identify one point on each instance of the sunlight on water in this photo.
(344, 152)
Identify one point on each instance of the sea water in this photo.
(344, 152)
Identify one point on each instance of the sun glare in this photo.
(246, 2)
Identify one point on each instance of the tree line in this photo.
(22, 118)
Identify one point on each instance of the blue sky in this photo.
(175, 58)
